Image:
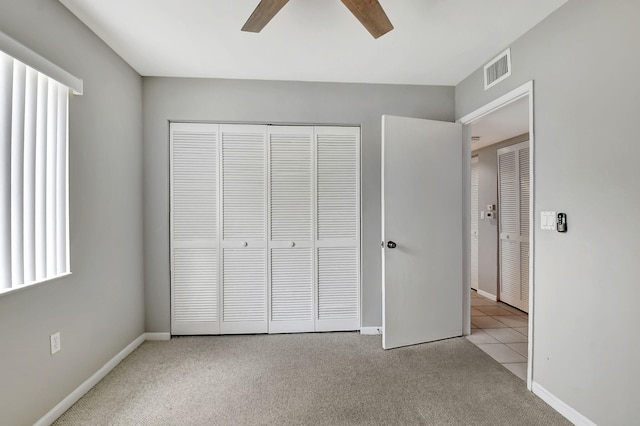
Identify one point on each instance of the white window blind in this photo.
(34, 238)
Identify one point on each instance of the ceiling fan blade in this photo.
(371, 15)
(260, 17)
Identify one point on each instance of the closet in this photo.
(265, 228)
(513, 219)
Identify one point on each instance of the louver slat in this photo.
(243, 188)
(514, 197)
(337, 242)
(291, 229)
(337, 196)
(508, 217)
(194, 185)
(524, 276)
(290, 167)
(291, 284)
(523, 160)
(525, 190)
(195, 292)
(220, 282)
(244, 219)
(508, 187)
(194, 204)
(244, 286)
(510, 276)
(497, 69)
(474, 223)
(337, 283)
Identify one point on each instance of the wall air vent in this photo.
(498, 69)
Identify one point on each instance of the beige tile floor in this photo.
(501, 331)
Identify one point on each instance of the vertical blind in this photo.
(34, 242)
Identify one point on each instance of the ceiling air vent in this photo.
(498, 69)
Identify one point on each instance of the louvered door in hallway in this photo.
(474, 222)
(513, 219)
(265, 228)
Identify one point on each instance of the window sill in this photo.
(13, 290)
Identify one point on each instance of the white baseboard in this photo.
(487, 295)
(371, 330)
(79, 392)
(561, 407)
(157, 336)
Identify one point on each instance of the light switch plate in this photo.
(548, 221)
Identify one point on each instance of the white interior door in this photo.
(474, 223)
(422, 214)
(291, 295)
(337, 214)
(525, 189)
(244, 223)
(513, 219)
(265, 228)
(194, 229)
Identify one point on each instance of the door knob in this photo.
(391, 244)
(244, 244)
(292, 244)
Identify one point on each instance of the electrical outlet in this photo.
(55, 342)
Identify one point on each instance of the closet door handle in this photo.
(391, 244)
(244, 244)
(292, 244)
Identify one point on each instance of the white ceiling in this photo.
(435, 42)
(507, 122)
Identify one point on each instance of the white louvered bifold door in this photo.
(474, 223)
(243, 228)
(513, 218)
(525, 190)
(194, 229)
(291, 286)
(337, 228)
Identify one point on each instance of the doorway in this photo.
(499, 241)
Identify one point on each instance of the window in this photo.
(34, 230)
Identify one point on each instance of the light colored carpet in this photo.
(308, 379)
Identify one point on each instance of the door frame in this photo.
(467, 120)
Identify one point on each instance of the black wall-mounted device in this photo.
(561, 222)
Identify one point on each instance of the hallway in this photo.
(501, 331)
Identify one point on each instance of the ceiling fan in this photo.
(369, 13)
